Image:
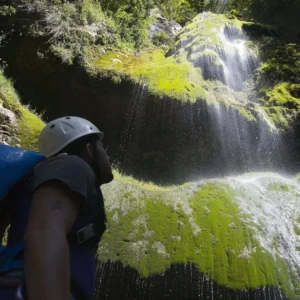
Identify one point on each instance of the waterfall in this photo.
(224, 235)
(226, 133)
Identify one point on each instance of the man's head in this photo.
(77, 136)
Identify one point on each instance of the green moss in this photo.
(150, 234)
(278, 187)
(30, 126)
(297, 230)
(164, 76)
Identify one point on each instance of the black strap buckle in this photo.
(85, 233)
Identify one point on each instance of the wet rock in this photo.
(8, 127)
(4, 127)
(7, 116)
(163, 25)
(3, 132)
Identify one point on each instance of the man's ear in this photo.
(89, 151)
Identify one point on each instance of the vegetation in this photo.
(277, 80)
(275, 12)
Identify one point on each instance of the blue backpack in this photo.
(15, 164)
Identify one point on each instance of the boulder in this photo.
(162, 25)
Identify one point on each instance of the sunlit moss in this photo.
(163, 76)
(30, 126)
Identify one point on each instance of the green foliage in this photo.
(281, 61)
(180, 10)
(276, 12)
(277, 80)
(72, 26)
(6, 10)
(161, 38)
(91, 12)
(131, 20)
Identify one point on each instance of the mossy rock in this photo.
(206, 224)
(164, 77)
(29, 123)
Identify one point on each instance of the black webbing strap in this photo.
(77, 291)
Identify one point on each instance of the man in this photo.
(62, 218)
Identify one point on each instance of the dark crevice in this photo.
(180, 282)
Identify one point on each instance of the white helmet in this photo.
(59, 133)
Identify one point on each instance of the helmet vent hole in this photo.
(68, 118)
(52, 126)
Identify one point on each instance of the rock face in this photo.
(8, 127)
(162, 25)
(241, 232)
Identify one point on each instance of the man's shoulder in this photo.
(63, 163)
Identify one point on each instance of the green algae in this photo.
(152, 233)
